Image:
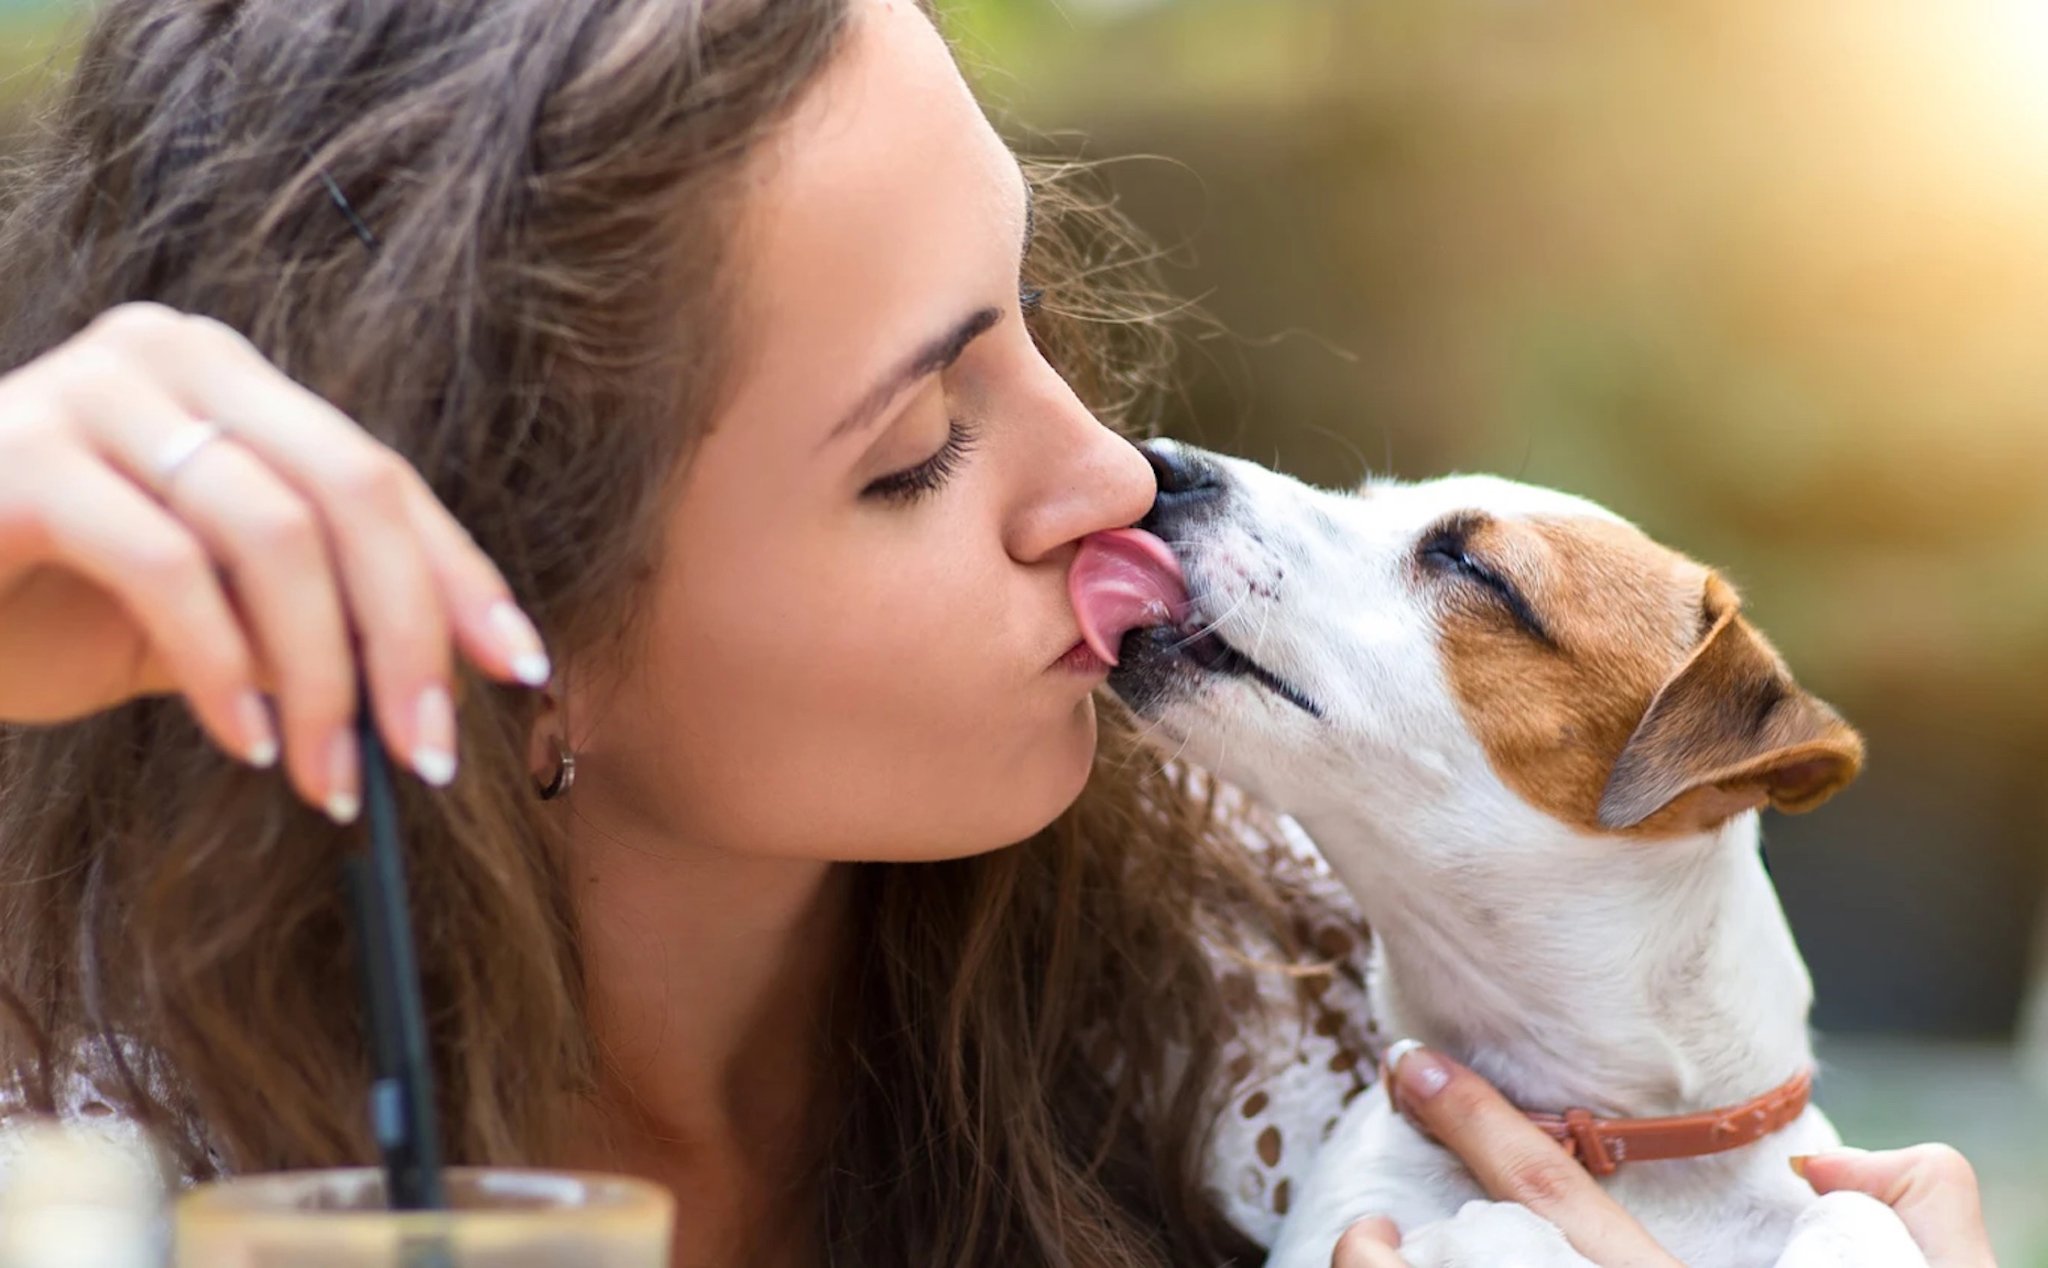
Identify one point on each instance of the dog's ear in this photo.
(1729, 732)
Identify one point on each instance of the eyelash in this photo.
(927, 477)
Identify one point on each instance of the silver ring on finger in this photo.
(182, 446)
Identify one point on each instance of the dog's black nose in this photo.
(1186, 478)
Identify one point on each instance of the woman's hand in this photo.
(142, 554)
(1931, 1187)
(1513, 1161)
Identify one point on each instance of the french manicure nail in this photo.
(261, 737)
(530, 662)
(433, 750)
(343, 802)
(1420, 1073)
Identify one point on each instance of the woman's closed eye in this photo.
(915, 482)
(927, 477)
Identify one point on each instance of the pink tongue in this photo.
(1123, 580)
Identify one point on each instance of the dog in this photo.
(1533, 744)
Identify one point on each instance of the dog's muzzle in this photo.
(1156, 664)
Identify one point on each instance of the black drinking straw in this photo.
(402, 1097)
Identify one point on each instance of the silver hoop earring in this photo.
(565, 774)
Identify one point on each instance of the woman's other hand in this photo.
(1932, 1187)
(1513, 1160)
(143, 553)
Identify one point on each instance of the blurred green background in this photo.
(1768, 276)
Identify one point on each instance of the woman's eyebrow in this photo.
(935, 356)
(930, 359)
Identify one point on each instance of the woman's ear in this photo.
(1730, 731)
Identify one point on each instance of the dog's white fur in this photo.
(1570, 968)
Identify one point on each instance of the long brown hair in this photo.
(1031, 1058)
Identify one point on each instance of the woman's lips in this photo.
(1122, 580)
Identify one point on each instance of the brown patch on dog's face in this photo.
(1617, 614)
(1565, 639)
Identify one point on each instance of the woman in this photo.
(728, 343)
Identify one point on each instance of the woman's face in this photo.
(860, 639)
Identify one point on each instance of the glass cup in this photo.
(499, 1218)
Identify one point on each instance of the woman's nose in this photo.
(1084, 480)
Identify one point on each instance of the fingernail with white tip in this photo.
(1417, 1071)
(530, 662)
(433, 750)
(343, 802)
(1401, 1048)
(261, 737)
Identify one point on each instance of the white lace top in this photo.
(1291, 1078)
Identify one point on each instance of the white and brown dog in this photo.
(1532, 742)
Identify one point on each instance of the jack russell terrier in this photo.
(1533, 744)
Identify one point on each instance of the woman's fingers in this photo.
(219, 374)
(345, 515)
(182, 516)
(402, 574)
(116, 537)
(292, 429)
(271, 545)
(1515, 1161)
(276, 551)
(1370, 1243)
(1932, 1187)
(489, 627)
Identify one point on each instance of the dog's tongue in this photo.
(1123, 580)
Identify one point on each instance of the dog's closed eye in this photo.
(1447, 551)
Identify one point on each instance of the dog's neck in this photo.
(1631, 978)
